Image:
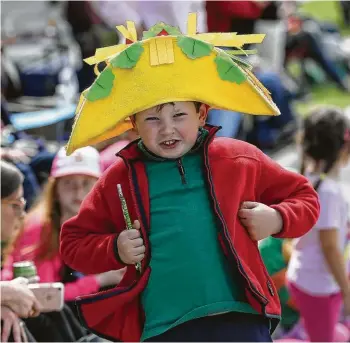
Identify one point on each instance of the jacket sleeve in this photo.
(89, 240)
(85, 285)
(289, 193)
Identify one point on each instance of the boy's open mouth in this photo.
(170, 144)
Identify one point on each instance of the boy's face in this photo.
(172, 130)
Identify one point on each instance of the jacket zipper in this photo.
(138, 203)
(181, 171)
(260, 297)
(269, 286)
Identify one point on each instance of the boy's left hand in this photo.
(260, 220)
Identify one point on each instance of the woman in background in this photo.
(16, 299)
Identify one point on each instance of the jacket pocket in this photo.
(115, 314)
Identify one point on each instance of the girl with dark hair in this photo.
(317, 273)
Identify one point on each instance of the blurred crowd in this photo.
(42, 74)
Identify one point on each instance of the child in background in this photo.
(317, 273)
(108, 150)
(276, 254)
(199, 204)
(72, 177)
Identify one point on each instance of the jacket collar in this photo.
(132, 151)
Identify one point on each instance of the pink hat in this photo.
(84, 161)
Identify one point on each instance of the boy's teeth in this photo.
(169, 142)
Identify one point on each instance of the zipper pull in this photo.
(182, 171)
(269, 286)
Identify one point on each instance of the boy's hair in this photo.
(326, 130)
(197, 105)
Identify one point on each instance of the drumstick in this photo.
(126, 218)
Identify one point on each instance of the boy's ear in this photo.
(203, 114)
(133, 122)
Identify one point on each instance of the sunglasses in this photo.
(18, 206)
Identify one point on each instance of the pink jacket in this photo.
(49, 270)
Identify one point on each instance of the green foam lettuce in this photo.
(158, 28)
(102, 86)
(228, 69)
(129, 57)
(194, 48)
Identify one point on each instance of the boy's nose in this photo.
(167, 128)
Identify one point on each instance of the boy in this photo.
(199, 204)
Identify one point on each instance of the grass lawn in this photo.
(327, 93)
(325, 11)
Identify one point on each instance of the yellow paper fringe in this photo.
(130, 25)
(170, 50)
(103, 54)
(158, 50)
(126, 34)
(229, 39)
(259, 85)
(96, 71)
(192, 24)
(153, 53)
(161, 51)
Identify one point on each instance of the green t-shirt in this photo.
(190, 277)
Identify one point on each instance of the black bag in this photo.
(59, 326)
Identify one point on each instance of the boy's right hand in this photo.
(130, 245)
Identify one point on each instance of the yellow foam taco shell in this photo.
(164, 73)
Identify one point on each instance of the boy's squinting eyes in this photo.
(170, 130)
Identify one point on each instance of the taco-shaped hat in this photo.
(166, 66)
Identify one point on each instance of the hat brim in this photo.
(75, 171)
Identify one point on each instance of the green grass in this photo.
(328, 93)
(323, 10)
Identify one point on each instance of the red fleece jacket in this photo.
(235, 172)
